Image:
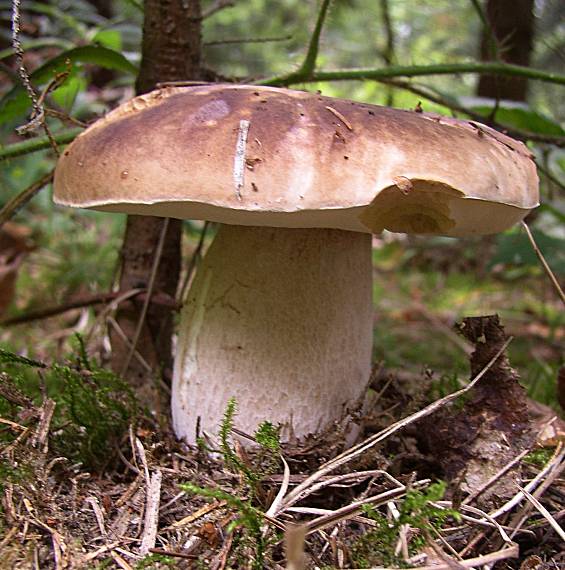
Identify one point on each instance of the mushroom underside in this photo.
(412, 206)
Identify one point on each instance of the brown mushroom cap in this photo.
(263, 156)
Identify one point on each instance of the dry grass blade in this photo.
(345, 477)
(121, 562)
(489, 559)
(545, 513)
(13, 425)
(98, 514)
(352, 509)
(557, 465)
(487, 519)
(274, 508)
(198, 514)
(544, 263)
(102, 550)
(551, 465)
(382, 435)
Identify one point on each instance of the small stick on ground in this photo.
(98, 514)
(41, 437)
(173, 553)
(151, 513)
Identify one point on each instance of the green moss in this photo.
(538, 457)
(377, 547)
(94, 407)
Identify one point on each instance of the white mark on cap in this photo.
(239, 160)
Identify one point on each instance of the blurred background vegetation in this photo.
(422, 285)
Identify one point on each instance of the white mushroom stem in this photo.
(281, 320)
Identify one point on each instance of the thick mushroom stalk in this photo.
(281, 320)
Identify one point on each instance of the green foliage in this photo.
(538, 457)
(378, 545)
(7, 357)
(16, 102)
(514, 115)
(94, 407)
(231, 459)
(100, 406)
(267, 436)
(10, 473)
(248, 516)
(417, 510)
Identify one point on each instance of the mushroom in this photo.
(280, 313)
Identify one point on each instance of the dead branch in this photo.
(81, 302)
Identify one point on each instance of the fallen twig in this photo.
(80, 302)
(41, 437)
(151, 513)
(173, 553)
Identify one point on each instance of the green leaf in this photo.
(517, 115)
(515, 249)
(111, 39)
(65, 95)
(16, 102)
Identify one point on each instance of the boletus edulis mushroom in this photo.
(280, 313)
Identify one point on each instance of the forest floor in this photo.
(432, 471)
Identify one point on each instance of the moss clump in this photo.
(377, 547)
(93, 410)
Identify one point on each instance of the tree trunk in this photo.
(512, 23)
(171, 52)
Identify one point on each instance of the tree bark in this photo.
(512, 23)
(171, 51)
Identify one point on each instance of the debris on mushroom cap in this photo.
(275, 157)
